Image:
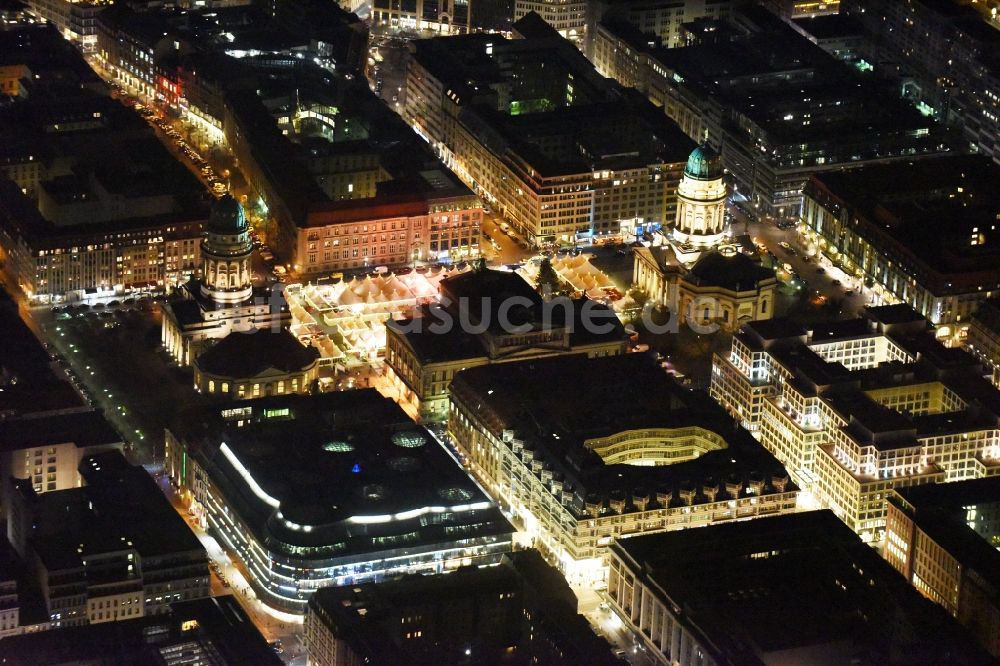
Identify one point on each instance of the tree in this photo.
(638, 299)
(548, 279)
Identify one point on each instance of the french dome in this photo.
(704, 163)
(227, 217)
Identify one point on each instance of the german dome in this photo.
(704, 163)
(227, 217)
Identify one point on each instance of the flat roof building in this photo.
(564, 153)
(45, 451)
(519, 612)
(946, 56)
(112, 549)
(92, 203)
(857, 408)
(983, 340)
(490, 316)
(943, 539)
(919, 232)
(585, 450)
(215, 630)
(779, 106)
(791, 589)
(329, 489)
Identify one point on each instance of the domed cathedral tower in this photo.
(225, 254)
(701, 200)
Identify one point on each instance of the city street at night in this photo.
(460, 333)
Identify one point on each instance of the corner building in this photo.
(223, 300)
(858, 408)
(329, 489)
(624, 451)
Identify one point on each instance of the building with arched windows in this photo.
(699, 274)
(223, 300)
(701, 199)
(255, 364)
(700, 224)
(724, 287)
(225, 254)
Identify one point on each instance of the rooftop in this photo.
(736, 272)
(945, 513)
(800, 585)
(119, 504)
(910, 356)
(84, 429)
(830, 26)
(461, 609)
(215, 630)
(620, 134)
(954, 495)
(792, 92)
(775, 329)
(939, 211)
(250, 354)
(622, 393)
(334, 471)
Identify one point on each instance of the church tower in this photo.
(225, 254)
(701, 200)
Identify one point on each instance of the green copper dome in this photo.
(703, 163)
(226, 218)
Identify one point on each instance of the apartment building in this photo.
(783, 589)
(943, 540)
(110, 550)
(858, 408)
(528, 124)
(922, 233)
